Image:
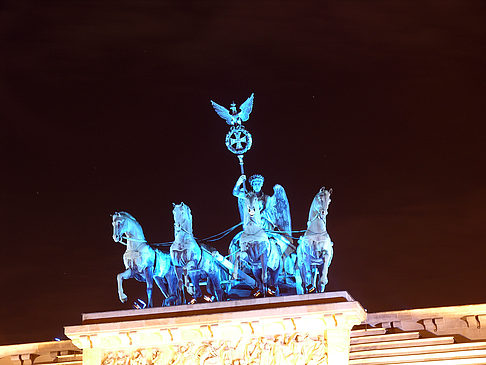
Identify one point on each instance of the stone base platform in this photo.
(310, 329)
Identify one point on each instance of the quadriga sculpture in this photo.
(142, 262)
(314, 252)
(262, 255)
(190, 259)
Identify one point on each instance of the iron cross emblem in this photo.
(238, 140)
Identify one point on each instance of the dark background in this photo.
(104, 106)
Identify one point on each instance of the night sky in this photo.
(105, 106)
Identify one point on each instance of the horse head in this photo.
(320, 204)
(119, 226)
(182, 218)
(252, 209)
(123, 223)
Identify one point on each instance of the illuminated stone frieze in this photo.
(292, 349)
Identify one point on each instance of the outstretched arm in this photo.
(239, 189)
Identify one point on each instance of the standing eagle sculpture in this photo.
(232, 116)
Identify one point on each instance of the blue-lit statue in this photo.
(238, 139)
(275, 213)
(232, 117)
(314, 252)
(191, 260)
(275, 210)
(263, 255)
(142, 262)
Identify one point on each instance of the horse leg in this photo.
(325, 269)
(274, 259)
(299, 263)
(127, 274)
(257, 274)
(149, 278)
(173, 297)
(273, 289)
(277, 275)
(194, 277)
(311, 275)
(236, 266)
(215, 280)
(287, 269)
(275, 246)
(161, 284)
(303, 261)
(318, 274)
(306, 273)
(322, 277)
(299, 287)
(179, 275)
(211, 288)
(264, 263)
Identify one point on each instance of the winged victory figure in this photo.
(275, 209)
(232, 116)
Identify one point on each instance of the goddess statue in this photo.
(274, 210)
(256, 183)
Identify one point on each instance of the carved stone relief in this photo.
(296, 349)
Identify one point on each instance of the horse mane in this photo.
(128, 215)
(189, 216)
(312, 210)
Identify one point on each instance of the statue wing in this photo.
(282, 210)
(246, 109)
(223, 113)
